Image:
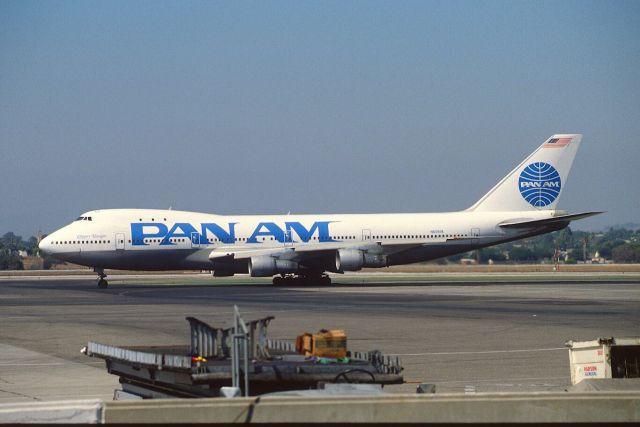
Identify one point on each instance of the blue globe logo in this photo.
(539, 184)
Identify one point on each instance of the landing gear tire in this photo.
(278, 281)
(102, 284)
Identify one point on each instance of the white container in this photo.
(604, 358)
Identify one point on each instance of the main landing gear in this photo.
(102, 284)
(296, 280)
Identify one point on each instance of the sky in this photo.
(310, 107)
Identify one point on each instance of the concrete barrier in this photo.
(433, 408)
(65, 412)
(601, 407)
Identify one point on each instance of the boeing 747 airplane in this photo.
(303, 248)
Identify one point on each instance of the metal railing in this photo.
(134, 356)
(210, 342)
(383, 364)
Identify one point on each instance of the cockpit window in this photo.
(83, 218)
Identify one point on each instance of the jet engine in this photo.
(265, 266)
(355, 259)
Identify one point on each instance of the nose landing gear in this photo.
(102, 284)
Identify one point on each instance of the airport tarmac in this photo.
(464, 336)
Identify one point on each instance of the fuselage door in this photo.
(475, 234)
(195, 239)
(366, 235)
(120, 241)
(288, 238)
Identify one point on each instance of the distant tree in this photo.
(606, 247)
(10, 261)
(619, 233)
(543, 251)
(11, 242)
(564, 239)
(491, 253)
(31, 246)
(626, 253)
(521, 254)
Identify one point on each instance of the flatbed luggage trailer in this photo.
(604, 358)
(206, 367)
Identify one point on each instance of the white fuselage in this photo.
(143, 239)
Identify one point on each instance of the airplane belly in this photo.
(166, 259)
(429, 252)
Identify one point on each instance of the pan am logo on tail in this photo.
(539, 184)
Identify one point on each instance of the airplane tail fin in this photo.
(537, 182)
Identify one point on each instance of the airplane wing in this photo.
(291, 252)
(301, 251)
(547, 221)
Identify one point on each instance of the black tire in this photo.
(102, 284)
(278, 281)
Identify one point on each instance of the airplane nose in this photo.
(45, 245)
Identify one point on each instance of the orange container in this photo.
(323, 344)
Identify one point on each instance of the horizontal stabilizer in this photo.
(547, 221)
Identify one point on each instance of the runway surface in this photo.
(469, 337)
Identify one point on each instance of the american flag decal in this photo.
(557, 142)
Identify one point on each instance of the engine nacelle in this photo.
(354, 260)
(349, 260)
(264, 266)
